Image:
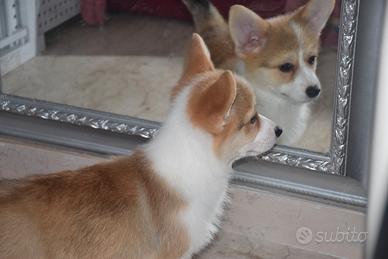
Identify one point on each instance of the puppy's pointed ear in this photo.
(317, 13)
(197, 61)
(209, 107)
(248, 30)
(198, 58)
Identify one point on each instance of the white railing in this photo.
(54, 12)
(23, 24)
(12, 33)
(18, 33)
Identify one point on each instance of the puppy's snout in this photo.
(312, 91)
(278, 131)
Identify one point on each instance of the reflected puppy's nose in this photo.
(278, 131)
(313, 91)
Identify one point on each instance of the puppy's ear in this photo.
(209, 107)
(317, 13)
(198, 58)
(197, 61)
(248, 30)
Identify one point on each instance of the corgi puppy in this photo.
(163, 201)
(278, 56)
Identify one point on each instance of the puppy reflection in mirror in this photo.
(278, 56)
(165, 200)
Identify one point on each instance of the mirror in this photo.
(124, 57)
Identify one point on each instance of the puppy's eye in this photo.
(253, 119)
(311, 60)
(286, 67)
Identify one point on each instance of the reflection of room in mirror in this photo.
(129, 66)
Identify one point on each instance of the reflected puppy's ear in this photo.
(197, 61)
(317, 13)
(209, 107)
(248, 30)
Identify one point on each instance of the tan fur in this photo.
(210, 102)
(281, 46)
(195, 63)
(219, 43)
(216, 94)
(215, 32)
(119, 209)
(244, 108)
(210, 114)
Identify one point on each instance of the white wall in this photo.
(378, 189)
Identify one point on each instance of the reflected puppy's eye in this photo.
(286, 67)
(311, 60)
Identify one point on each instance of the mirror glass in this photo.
(124, 57)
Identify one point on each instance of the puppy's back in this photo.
(119, 209)
(214, 30)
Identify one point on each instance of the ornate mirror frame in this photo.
(333, 163)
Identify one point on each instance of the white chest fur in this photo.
(200, 178)
(183, 156)
(202, 216)
(291, 117)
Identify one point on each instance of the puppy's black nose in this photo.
(278, 131)
(313, 91)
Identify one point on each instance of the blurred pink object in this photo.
(93, 11)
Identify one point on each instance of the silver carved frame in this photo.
(332, 163)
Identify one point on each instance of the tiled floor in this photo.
(129, 67)
(258, 224)
(238, 246)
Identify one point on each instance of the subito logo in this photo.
(304, 235)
